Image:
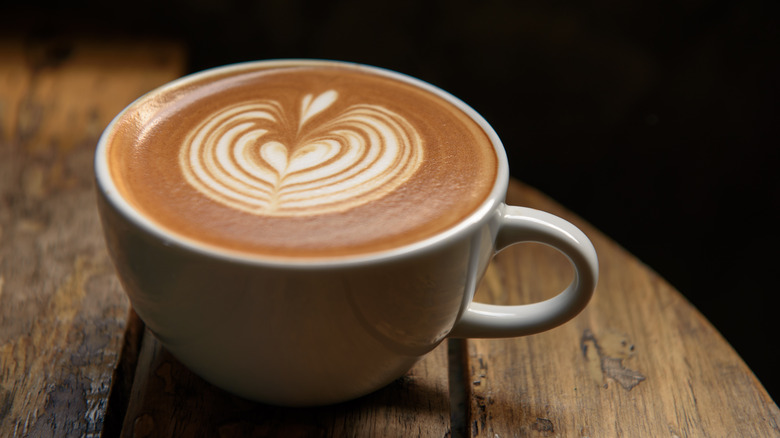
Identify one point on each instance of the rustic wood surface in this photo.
(639, 361)
(62, 312)
(75, 361)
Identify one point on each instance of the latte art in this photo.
(260, 158)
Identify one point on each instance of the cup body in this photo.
(296, 334)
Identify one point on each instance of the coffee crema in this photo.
(300, 160)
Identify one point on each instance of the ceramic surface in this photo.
(318, 332)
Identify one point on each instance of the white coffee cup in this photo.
(318, 332)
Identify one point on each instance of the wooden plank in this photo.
(170, 401)
(639, 361)
(62, 313)
(124, 374)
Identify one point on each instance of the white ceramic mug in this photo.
(313, 333)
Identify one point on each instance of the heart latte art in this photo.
(330, 162)
(291, 159)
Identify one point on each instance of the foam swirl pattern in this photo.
(262, 158)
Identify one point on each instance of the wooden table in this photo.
(76, 361)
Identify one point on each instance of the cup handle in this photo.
(520, 224)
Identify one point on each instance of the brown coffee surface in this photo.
(300, 161)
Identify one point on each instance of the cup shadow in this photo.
(174, 399)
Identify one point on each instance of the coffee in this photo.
(300, 160)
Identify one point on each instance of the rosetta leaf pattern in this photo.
(338, 159)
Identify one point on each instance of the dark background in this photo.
(654, 120)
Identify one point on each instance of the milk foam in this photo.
(306, 161)
(334, 161)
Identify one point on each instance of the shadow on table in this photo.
(176, 402)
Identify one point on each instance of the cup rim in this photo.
(106, 186)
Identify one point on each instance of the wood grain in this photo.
(639, 361)
(62, 313)
(170, 401)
